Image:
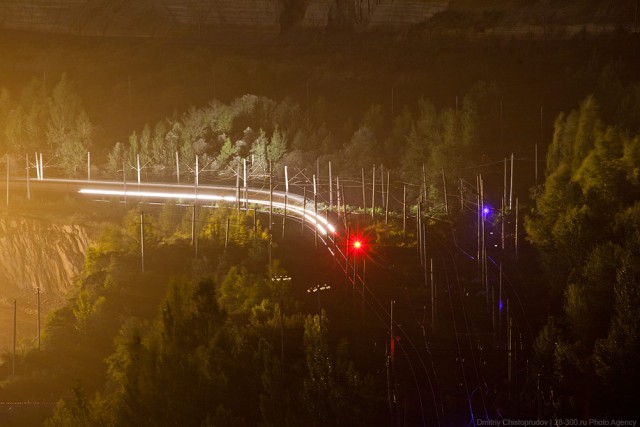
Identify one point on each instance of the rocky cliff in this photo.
(36, 253)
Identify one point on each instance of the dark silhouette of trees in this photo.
(585, 226)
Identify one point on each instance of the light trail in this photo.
(324, 226)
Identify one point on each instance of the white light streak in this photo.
(309, 215)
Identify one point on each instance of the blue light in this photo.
(500, 305)
(486, 210)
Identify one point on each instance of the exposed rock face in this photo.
(317, 14)
(179, 17)
(36, 253)
(401, 14)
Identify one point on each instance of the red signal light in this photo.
(357, 244)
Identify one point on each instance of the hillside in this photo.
(213, 19)
(202, 18)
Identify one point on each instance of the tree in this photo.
(585, 227)
(161, 155)
(259, 151)
(277, 147)
(240, 291)
(363, 150)
(74, 413)
(228, 152)
(15, 130)
(72, 154)
(115, 159)
(64, 107)
(321, 393)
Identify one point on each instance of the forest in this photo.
(213, 340)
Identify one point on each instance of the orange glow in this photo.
(357, 244)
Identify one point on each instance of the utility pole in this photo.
(424, 183)
(315, 211)
(338, 195)
(503, 219)
(244, 174)
(318, 172)
(386, 207)
(483, 245)
(304, 209)
(346, 254)
(479, 218)
(88, 165)
(355, 270)
(344, 204)
(511, 185)
(138, 164)
(193, 230)
(37, 168)
(382, 194)
(41, 168)
(404, 211)
(196, 181)
(373, 194)
(238, 189)
(255, 223)
(270, 198)
(364, 196)
(226, 234)
(423, 230)
(124, 181)
(419, 233)
(28, 183)
(444, 191)
(177, 168)
(504, 188)
(433, 299)
(330, 187)
(286, 197)
(142, 241)
(196, 177)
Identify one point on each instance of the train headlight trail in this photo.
(309, 215)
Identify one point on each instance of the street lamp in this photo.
(316, 290)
